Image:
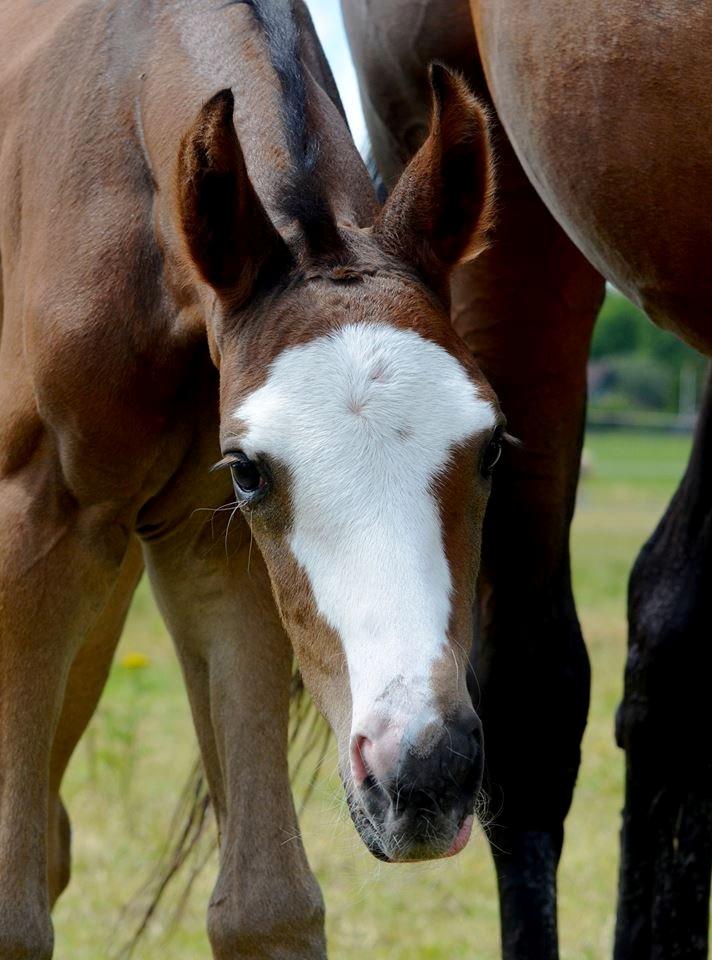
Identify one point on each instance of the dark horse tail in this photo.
(192, 836)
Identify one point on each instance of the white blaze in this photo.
(364, 419)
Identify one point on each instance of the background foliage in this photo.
(637, 366)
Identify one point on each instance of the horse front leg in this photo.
(57, 567)
(85, 683)
(663, 725)
(526, 308)
(237, 663)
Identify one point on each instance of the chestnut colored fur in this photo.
(152, 269)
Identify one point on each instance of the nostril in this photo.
(360, 746)
(472, 727)
(466, 753)
(374, 756)
(476, 735)
(472, 730)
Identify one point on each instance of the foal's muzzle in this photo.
(421, 806)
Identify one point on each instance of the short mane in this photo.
(303, 197)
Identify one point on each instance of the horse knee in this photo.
(288, 925)
(669, 613)
(539, 658)
(59, 851)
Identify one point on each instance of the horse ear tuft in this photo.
(229, 237)
(440, 211)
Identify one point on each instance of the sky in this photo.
(330, 27)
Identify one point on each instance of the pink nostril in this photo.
(360, 745)
(375, 756)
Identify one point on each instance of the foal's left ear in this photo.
(441, 208)
(231, 239)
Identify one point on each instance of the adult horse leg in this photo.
(526, 308)
(85, 684)
(663, 726)
(237, 663)
(57, 566)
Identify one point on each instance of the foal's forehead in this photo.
(368, 380)
(366, 386)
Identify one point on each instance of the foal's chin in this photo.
(430, 835)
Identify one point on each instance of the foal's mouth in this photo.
(421, 836)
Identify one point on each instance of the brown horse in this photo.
(602, 113)
(194, 268)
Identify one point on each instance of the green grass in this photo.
(124, 780)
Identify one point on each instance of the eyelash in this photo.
(255, 482)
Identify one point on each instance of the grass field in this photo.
(122, 786)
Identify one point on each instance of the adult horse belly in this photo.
(608, 107)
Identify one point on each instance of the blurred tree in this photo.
(648, 368)
(618, 328)
(645, 382)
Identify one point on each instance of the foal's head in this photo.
(362, 437)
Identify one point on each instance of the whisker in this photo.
(249, 551)
(229, 522)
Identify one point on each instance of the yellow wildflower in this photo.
(135, 661)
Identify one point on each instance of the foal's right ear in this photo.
(231, 239)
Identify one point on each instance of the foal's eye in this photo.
(247, 477)
(492, 453)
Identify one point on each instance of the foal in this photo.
(185, 284)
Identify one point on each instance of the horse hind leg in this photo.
(663, 724)
(85, 684)
(526, 309)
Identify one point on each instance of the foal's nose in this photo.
(450, 773)
(421, 789)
